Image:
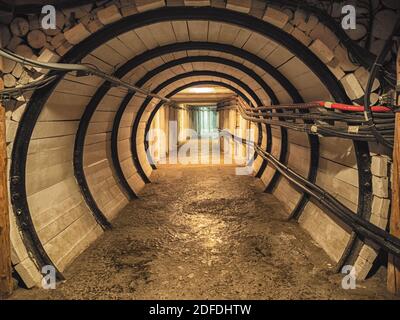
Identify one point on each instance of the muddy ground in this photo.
(201, 232)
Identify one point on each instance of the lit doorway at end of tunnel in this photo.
(200, 129)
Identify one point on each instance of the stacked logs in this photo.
(375, 20)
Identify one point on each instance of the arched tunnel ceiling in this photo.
(165, 50)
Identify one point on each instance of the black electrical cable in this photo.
(361, 226)
(65, 67)
(361, 133)
(329, 116)
(373, 74)
(18, 91)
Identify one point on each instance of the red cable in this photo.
(346, 107)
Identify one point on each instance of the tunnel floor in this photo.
(201, 232)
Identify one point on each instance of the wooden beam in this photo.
(5, 247)
(393, 278)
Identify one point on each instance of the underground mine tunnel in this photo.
(206, 149)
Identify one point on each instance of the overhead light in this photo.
(201, 90)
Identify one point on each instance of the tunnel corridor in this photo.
(212, 149)
(201, 232)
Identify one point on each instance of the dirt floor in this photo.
(201, 232)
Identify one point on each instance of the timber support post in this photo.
(393, 278)
(5, 247)
(6, 284)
